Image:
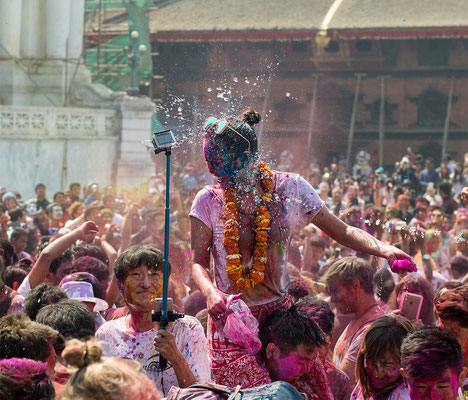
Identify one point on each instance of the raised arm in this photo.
(126, 230)
(38, 273)
(356, 238)
(4, 221)
(75, 223)
(377, 193)
(201, 239)
(179, 204)
(112, 291)
(308, 231)
(464, 196)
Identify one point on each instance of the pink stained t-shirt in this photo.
(294, 202)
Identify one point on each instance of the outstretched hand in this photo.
(4, 220)
(88, 231)
(395, 258)
(464, 196)
(133, 209)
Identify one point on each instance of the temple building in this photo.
(329, 77)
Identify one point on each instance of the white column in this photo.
(57, 24)
(10, 26)
(75, 35)
(33, 29)
(135, 161)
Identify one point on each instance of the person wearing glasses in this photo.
(245, 222)
(378, 361)
(136, 336)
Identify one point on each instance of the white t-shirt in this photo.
(25, 287)
(294, 203)
(119, 340)
(117, 219)
(399, 393)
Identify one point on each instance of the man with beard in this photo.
(350, 284)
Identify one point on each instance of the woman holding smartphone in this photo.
(418, 285)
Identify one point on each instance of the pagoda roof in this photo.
(296, 19)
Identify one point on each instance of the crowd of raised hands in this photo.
(65, 276)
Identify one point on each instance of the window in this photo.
(299, 46)
(374, 109)
(333, 47)
(390, 51)
(288, 110)
(432, 107)
(364, 46)
(433, 52)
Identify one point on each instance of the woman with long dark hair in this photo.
(378, 360)
(416, 284)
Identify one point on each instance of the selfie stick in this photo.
(164, 320)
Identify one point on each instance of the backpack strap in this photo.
(213, 387)
(234, 393)
(204, 391)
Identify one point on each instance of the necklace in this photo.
(367, 310)
(234, 267)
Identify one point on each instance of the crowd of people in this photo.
(325, 283)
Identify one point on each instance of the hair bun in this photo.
(251, 117)
(80, 354)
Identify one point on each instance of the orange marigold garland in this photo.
(234, 267)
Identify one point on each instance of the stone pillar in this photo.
(57, 28)
(134, 163)
(10, 38)
(10, 27)
(75, 33)
(33, 29)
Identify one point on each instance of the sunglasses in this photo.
(218, 126)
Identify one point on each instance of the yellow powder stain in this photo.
(131, 286)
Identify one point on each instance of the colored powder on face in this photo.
(381, 377)
(427, 388)
(130, 286)
(223, 162)
(289, 368)
(158, 294)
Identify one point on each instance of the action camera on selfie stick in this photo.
(163, 141)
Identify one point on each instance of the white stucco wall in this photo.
(55, 146)
(41, 140)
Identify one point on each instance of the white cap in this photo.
(83, 291)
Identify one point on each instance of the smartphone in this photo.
(410, 305)
(158, 304)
